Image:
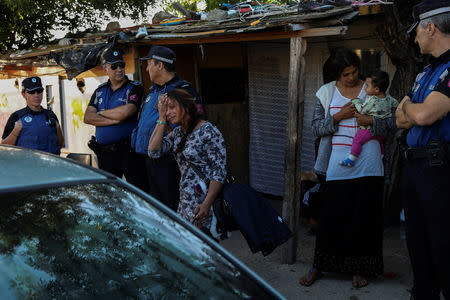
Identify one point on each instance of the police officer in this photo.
(163, 174)
(34, 127)
(426, 177)
(113, 111)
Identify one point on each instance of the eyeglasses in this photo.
(35, 92)
(117, 64)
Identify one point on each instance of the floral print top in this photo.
(204, 148)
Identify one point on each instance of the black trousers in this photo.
(125, 163)
(164, 180)
(426, 199)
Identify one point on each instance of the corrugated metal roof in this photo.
(199, 29)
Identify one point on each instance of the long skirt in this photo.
(350, 234)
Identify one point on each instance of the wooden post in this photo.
(137, 66)
(292, 157)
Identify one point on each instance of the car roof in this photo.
(21, 168)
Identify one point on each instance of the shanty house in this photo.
(257, 76)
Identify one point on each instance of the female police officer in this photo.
(34, 127)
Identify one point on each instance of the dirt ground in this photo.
(394, 284)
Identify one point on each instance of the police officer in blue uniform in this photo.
(113, 111)
(34, 127)
(163, 174)
(426, 176)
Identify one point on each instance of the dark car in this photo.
(70, 231)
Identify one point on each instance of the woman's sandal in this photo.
(310, 277)
(359, 282)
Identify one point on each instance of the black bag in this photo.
(222, 211)
(260, 224)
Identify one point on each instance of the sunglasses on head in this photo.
(39, 91)
(117, 64)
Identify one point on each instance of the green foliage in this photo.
(194, 5)
(28, 23)
(190, 5)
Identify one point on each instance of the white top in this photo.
(369, 162)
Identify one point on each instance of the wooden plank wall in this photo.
(231, 118)
(232, 121)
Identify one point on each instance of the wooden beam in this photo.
(26, 71)
(249, 36)
(292, 157)
(217, 36)
(185, 34)
(370, 9)
(297, 27)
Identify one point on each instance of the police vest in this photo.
(426, 81)
(39, 132)
(105, 98)
(149, 112)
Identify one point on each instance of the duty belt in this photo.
(123, 145)
(415, 153)
(436, 155)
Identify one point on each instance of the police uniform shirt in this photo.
(149, 111)
(444, 86)
(15, 116)
(28, 114)
(105, 98)
(434, 78)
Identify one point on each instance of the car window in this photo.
(102, 240)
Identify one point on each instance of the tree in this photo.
(196, 5)
(28, 23)
(400, 47)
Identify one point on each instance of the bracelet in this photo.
(161, 122)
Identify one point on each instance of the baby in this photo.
(377, 104)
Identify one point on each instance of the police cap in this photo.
(32, 84)
(113, 56)
(428, 8)
(161, 53)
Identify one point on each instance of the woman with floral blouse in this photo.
(198, 147)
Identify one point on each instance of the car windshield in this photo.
(103, 240)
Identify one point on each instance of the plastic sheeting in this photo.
(77, 60)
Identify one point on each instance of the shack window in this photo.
(222, 85)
